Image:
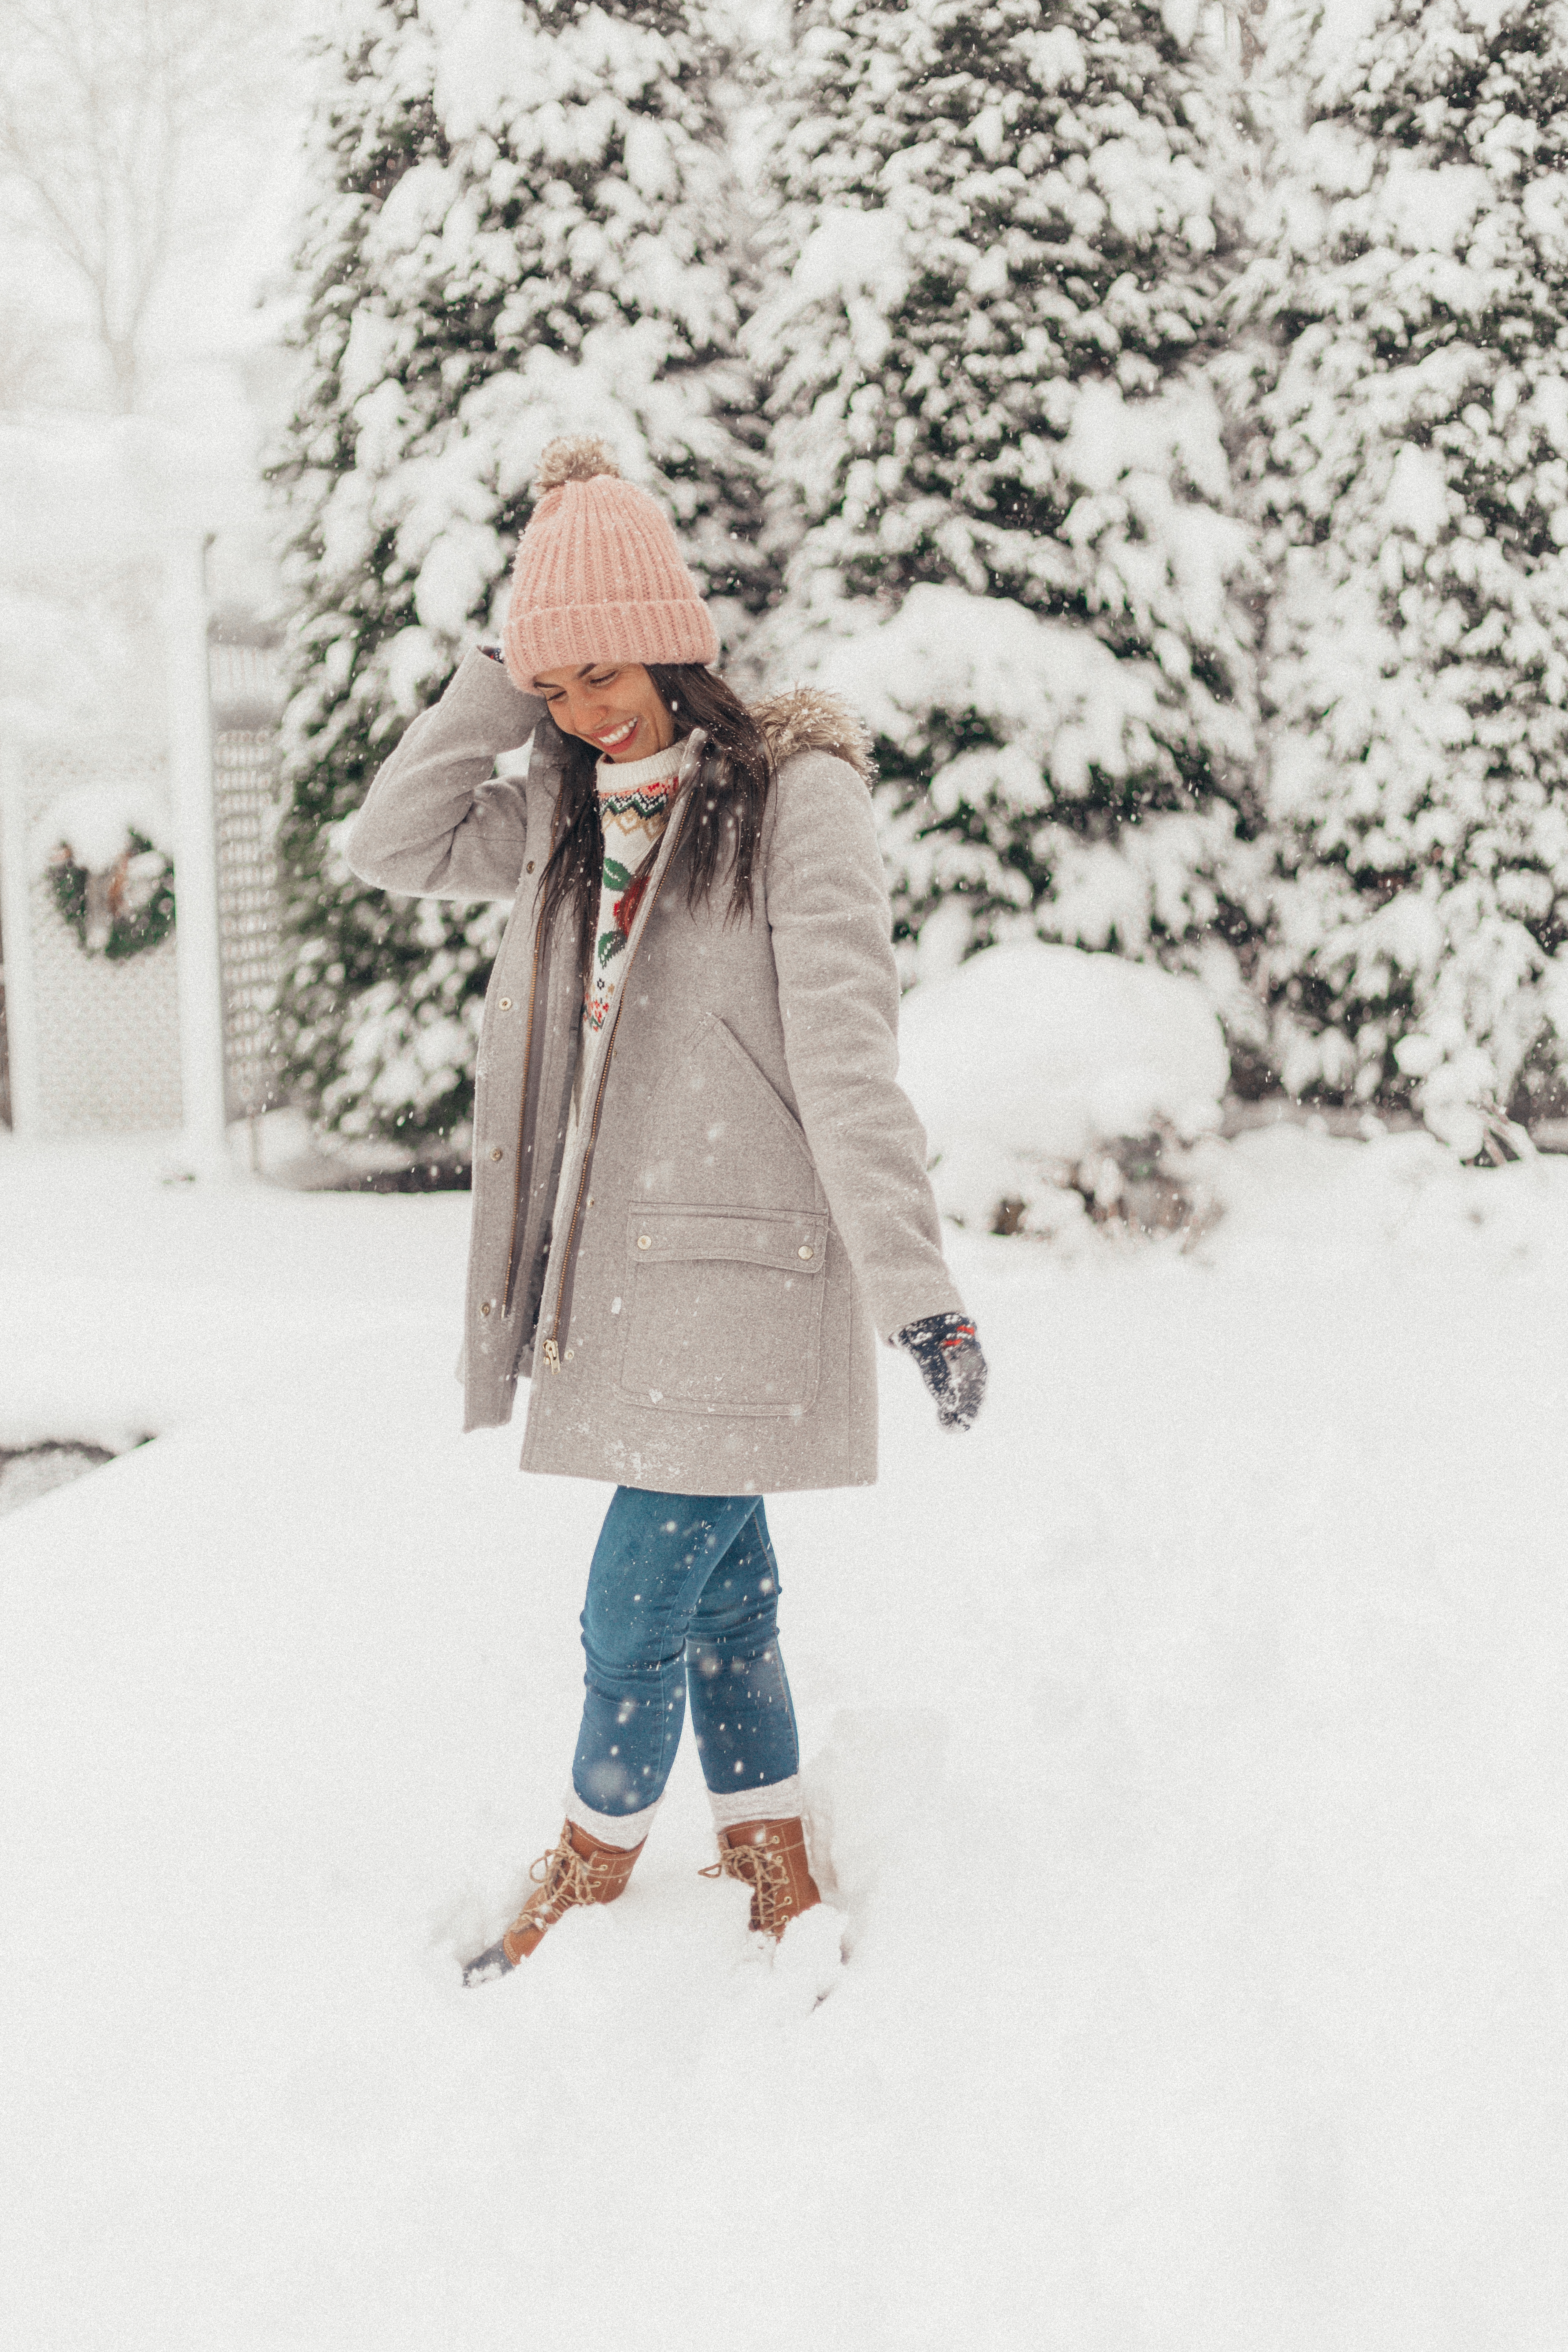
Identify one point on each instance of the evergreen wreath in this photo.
(138, 920)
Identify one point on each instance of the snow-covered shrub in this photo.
(1052, 1083)
(1018, 720)
(1410, 457)
(521, 227)
(999, 474)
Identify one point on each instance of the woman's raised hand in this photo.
(947, 1349)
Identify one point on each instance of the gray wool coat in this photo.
(745, 1204)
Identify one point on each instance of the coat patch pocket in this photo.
(724, 1309)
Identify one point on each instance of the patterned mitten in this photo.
(952, 1366)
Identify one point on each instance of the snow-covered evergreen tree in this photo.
(1003, 490)
(1412, 465)
(521, 226)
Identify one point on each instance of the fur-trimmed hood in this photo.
(805, 719)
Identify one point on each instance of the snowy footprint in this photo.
(808, 1958)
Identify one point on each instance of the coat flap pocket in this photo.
(792, 1240)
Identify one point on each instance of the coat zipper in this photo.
(552, 1349)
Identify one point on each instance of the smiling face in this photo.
(613, 706)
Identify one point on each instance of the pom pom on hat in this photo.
(577, 458)
(598, 575)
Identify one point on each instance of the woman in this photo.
(697, 1187)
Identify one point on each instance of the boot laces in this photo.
(564, 1878)
(763, 1869)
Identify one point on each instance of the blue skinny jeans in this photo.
(682, 1596)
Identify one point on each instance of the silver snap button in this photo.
(528, 868)
(488, 1305)
(805, 1250)
(644, 1241)
(506, 1004)
(569, 1355)
(497, 1152)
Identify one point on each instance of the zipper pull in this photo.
(553, 1355)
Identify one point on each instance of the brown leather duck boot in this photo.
(770, 1858)
(577, 1870)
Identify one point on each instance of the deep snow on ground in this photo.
(1188, 1759)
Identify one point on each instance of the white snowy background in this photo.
(1185, 1749)
(1185, 1744)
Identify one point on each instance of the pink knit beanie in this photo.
(598, 575)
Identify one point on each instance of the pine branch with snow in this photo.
(1410, 465)
(521, 228)
(1003, 490)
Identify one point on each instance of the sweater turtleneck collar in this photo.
(618, 776)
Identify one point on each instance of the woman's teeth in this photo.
(616, 735)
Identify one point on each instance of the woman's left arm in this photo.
(838, 996)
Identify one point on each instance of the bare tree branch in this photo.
(106, 110)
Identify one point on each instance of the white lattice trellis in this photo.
(103, 1054)
(244, 781)
(109, 661)
(96, 1045)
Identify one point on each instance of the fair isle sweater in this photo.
(633, 809)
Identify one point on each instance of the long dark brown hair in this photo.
(722, 826)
